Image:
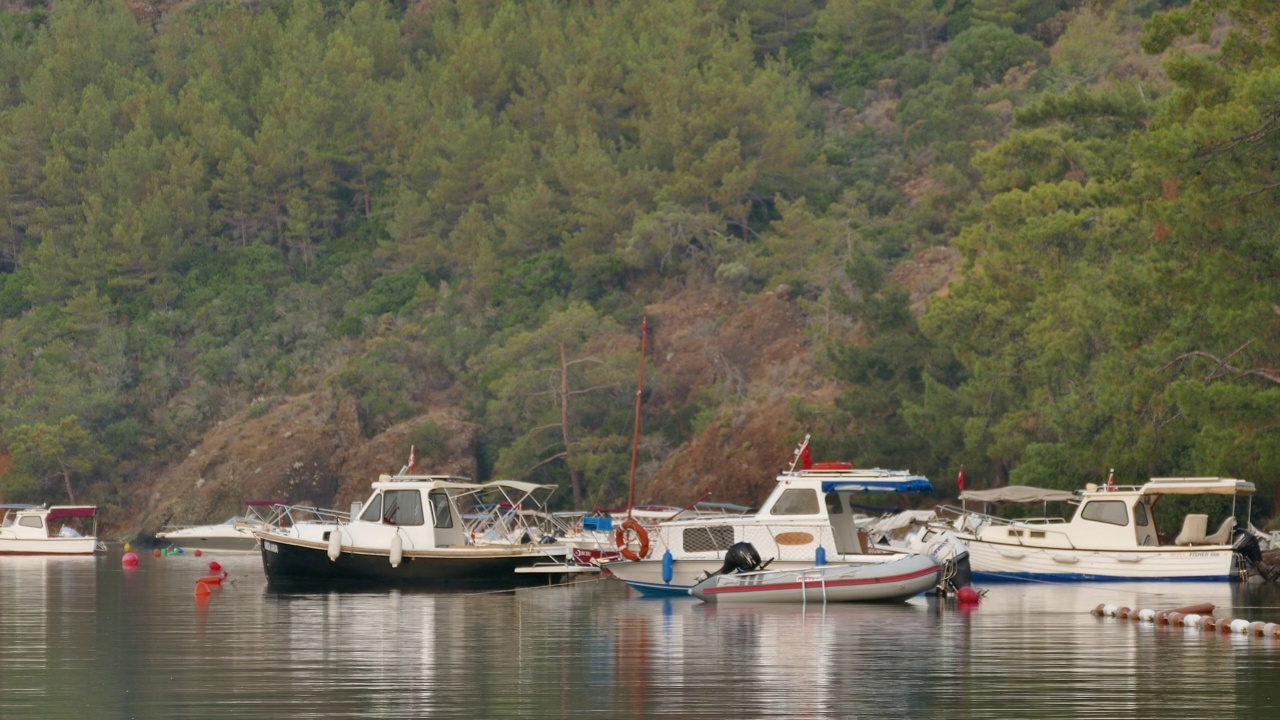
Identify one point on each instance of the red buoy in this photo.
(129, 560)
(157, 553)
(214, 566)
(197, 552)
(967, 596)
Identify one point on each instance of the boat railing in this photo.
(974, 522)
(289, 515)
(788, 542)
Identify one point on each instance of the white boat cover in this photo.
(1017, 494)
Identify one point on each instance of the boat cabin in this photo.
(34, 522)
(420, 507)
(813, 508)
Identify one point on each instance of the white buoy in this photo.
(335, 544)
(1110, 610)
(1240, 626)
(1192, 620)
(1147, 615)
(397, 549)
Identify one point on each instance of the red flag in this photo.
(960, 479)
(413, 459)
(806, 460)
(1111, 481)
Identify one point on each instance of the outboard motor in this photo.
(1249, 552)
(741, 557)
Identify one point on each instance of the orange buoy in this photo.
(157, 553)
(215, 580)
(202, 589)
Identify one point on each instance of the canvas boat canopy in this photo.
(1197, 486)
(913, 483)
(1017, 494)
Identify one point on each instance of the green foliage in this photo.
(986, 52)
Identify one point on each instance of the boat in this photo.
(1113, 534)
(234, 535)
(29, 530)
(810, 518)
(413, 531)
(894, 581)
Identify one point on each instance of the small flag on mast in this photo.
(1111, 481)
(413, 459)
(960, 479)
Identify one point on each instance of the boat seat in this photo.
(1223, 535)
(1194, 526)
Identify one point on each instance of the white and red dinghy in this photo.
(892, 581)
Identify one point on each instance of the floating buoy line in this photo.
(1192, 616)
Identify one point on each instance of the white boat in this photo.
(37, 530)
(1112, 535)
(234, 535)
(412, 531)
(893, 581)
(811, 518)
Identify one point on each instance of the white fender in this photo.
(397, 549)
(335, 543)
(1191, 620)
(1240, 626)
(1147, 615)
(1110, 610)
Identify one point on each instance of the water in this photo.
(82, 638)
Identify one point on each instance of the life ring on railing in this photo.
(620, 539)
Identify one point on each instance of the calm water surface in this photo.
(83, 638)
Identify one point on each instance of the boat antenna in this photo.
(635, 439)
(795, 456)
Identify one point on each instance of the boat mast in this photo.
(635, 439)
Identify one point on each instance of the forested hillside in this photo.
(207, 209)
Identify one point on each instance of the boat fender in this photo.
(397, 549)
(1109, 610)
(1174, 618)
(1124, 613)
(1240, 626)
(820, 556)
(1224, 625)
(335, 544)
(620, 539)
(1201, 609)
(1209, 622)
(1147, 615)
(1271, 629)
(668, 567)
(1257, 628)
(1192, 620)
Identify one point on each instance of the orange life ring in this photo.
(620, 539)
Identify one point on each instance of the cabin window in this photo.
(31, 521)
(797, 501)
(439, 500)
(707, 538)
(373, 512)
(833, 504)
(1037, 534)
(1140, 515)
(403, 507)
(1112, 512)
(1014, 533)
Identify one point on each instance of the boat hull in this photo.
(293, 562)
(192, 539)
(49, 546)
(894, 581)
(995, 562)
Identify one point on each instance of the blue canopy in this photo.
(906, 484)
